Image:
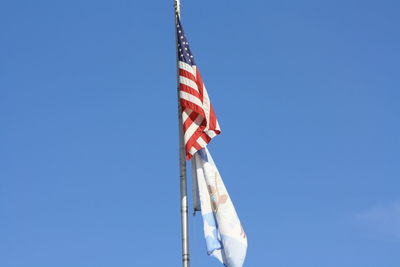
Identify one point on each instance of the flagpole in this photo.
(182, 164)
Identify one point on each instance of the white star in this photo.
(209, 230)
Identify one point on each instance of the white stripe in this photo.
(188, 82)
(185, 114)
(192, 150)
(217, 126)
(192, 128)
(201, 142)
(190, 98)
(187, 67)
(206, 105)
(211, 134)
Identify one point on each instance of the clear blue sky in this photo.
(307, 96)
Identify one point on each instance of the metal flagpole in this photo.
(182, 164)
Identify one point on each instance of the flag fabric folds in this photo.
(224, 234)
(200, 124)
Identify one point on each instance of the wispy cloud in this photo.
(384, 219)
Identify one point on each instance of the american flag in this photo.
(199, 122)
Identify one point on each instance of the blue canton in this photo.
(184, 53)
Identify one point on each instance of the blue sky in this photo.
(307, 96)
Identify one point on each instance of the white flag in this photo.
(225, 237)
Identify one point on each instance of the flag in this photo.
(224, 234)
(200, 124)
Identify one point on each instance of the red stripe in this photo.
(200, 84)
(186, 124)
(193, 139)
(190, 90)
(197, 146)
(213, 119)
(206, 138)
(190, 105)
(187, 74)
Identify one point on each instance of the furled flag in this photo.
(225, 237)
(198, 117)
